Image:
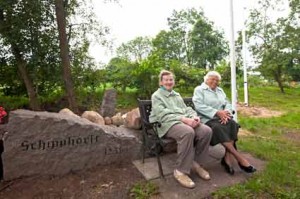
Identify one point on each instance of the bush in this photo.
(13, 102)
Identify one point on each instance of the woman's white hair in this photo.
(212, 73)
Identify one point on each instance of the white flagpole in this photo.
(232, 64)
(245, 59)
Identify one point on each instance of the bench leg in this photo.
(157, 151)
(161, 174)
(143, 148)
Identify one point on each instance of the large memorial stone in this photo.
(108, 103)
(43, 143)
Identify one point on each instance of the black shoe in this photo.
(228, 168)
(248, 169)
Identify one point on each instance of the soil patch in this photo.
(113, 181)
(258, 112)
(244, 132)
(293, 136)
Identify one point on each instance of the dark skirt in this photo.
(223, 132)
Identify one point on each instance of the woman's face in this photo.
(213, 82)
(168, 82)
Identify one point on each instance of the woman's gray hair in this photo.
(212, 73)
(163, 73)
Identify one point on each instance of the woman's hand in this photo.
(224, 116)
(192, 122)
(197, 121)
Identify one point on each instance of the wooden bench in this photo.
(150, 131)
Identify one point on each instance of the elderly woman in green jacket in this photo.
(182, 124)
(215, 111)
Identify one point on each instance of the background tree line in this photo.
(44, 55)
(274, 43)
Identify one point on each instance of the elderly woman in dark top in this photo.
(182, 124)
(215, 111)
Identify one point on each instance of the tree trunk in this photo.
(64, 53)
(279, 81)
(280, 86)
(33, 101)
(21, 64)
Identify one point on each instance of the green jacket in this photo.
(168, 108)
(207, 102)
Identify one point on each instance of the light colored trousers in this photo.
(192, 144)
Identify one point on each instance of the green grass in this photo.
(281, 177)
(271, 97)
(143, 190)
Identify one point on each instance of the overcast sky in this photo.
(131, 18)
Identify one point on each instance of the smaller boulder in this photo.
(107, 121)
(67, 111)
(94, 117)
(133, 119)
(117, 119)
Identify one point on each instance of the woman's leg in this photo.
(203, 134)
(229, 146)
(228, 157)
(184, 136)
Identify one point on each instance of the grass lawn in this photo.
(275, 140)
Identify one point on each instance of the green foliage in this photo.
(208, 45)
(169, 45)
(127, 101)
(12, 103)
(194, 40)
(119, 71)
(145, 76)
(224, 69)
(143, 190)
(29, 28)
(135, 50)
(275, 44)
(187, 77)
(255, 81)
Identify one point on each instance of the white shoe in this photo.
(184, 179)
(202, 173)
